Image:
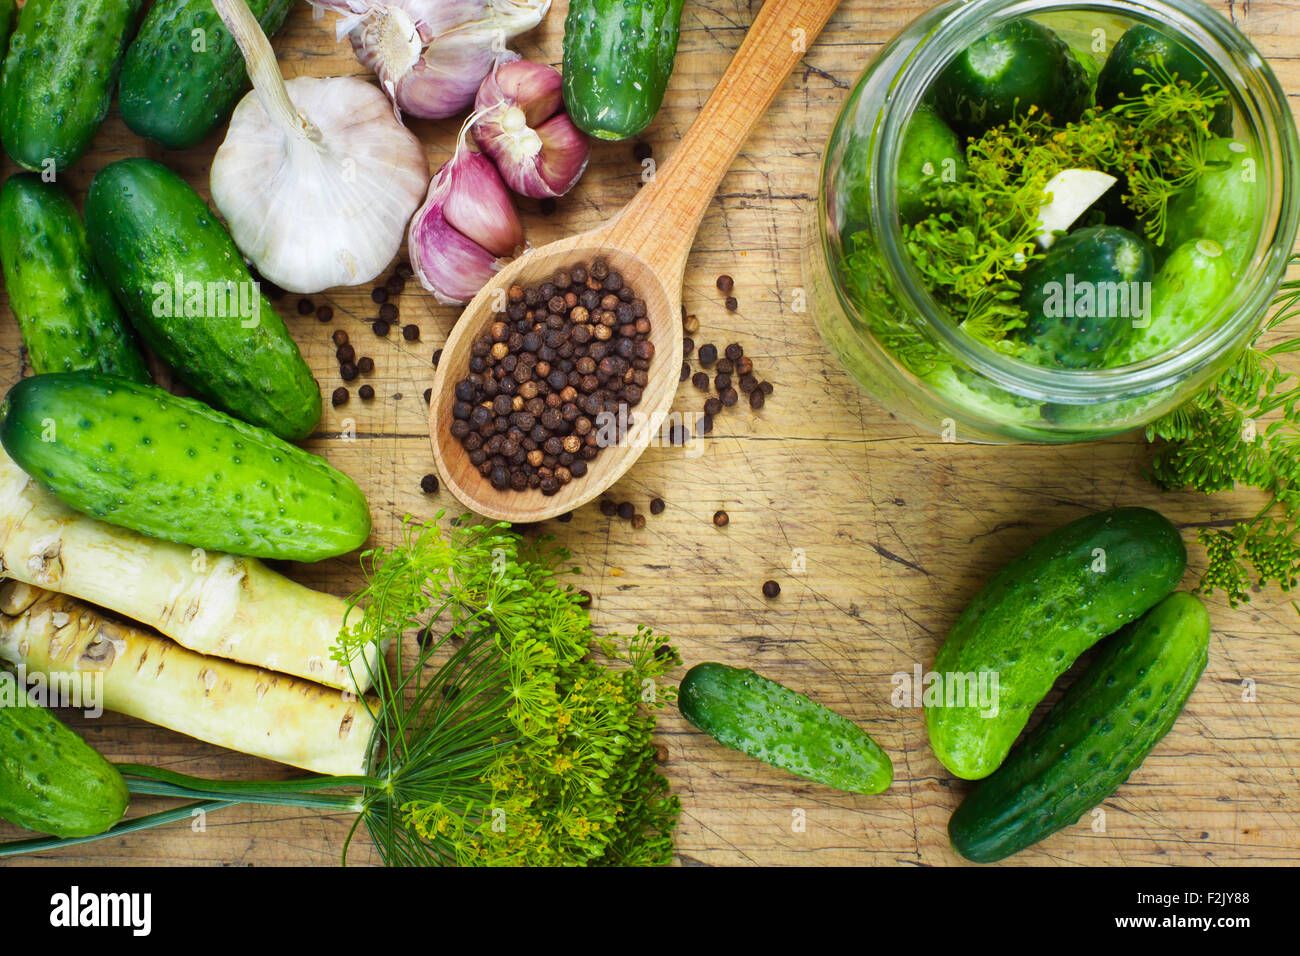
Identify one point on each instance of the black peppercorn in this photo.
(306, 306)
(367, 392)
(324, 313)
(708, 354)
(701, 381)
(721, 519)
(607, 507)
(657, 506)
(625, 510)
(340, 396)
(365, 365)
(726, 284)
(380, 327)
(429, 484)
(771, 589)
(437, 357)
(348, 371)
(411, 332)
(731, 303)
(379, 295)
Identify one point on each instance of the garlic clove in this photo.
(451, 266)
(479, 206)
(564, 155)
(534, 88)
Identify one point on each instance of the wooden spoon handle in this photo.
(660, 224)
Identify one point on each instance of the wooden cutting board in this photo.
(877, 533)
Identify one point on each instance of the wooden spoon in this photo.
(648, 242)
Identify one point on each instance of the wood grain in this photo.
(895, 529)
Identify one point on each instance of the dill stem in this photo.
(147, 822)
(299, 792)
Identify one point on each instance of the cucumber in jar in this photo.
(930, 155)
(1223, 203)
(1017, 66)
(1185, 294)
(1145, 55)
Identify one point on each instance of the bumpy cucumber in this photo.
(1186, 291)
(1018, 65)
(1082, 297)
(149, 230)
(1146, 55)
(770, 722)
(1035, 616)
(68, 316)
(51, 780)
(175, 94)
(1094, 738)
(139, 457)
(59, 77)
(930, 154)
(1224, 204)
(618, 58)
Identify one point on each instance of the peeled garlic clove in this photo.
(478, 205)
(520, 124)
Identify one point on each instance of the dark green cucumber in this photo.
(150, 232)
(1094, 738)
(139, 457)
(770, 722)
(171, 92)
(930, 154)
(1083, 297)
(1035, 616)
(59, 76)
(1146, 55)
(51, 780)
(68, 316)
(618, 58)
(1226, 203)
(1016, 66)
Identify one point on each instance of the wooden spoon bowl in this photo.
(647, 243)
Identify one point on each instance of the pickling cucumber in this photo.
(189, 294)
(139, 457)
(59, 76)
(183, 74)
(51, 780)
(1100, 731)
(1018, 65)
(68, 316)
(1035, 616)
(1146, 55)
(1187, 290)
(618, 58)
(930, 154)
(768, 721)
(1223, 204)
(1082, 297)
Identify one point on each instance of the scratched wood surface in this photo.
(894, 528)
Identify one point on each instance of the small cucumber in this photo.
(51, 780)
(1224, 204)
(183, 74)
(1018, 65)
(1081, 299)
(618, 58)
(59, 77)
(1146, 55)
(930, 154)
(178, 274)
(1187, 290)
(68, 316)
(139, 457)
(1035, 616)
(1111, 717)
(770, 722)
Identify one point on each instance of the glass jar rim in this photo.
(1255, 86)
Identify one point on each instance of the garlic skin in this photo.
(521, 124)
(466, 229)
(432, 55)
(316, 178)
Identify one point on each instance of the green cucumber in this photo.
(51, 780)
(152, 233)
(1146, 55)
(1035, 616)
(59, 77)
(930, 154)
(1224, 204)
(139, 457)
(618, 58)
(1016, 66)
(183, 74)
(1111, 717)
(8, 13)
(1185, 294)
(1082, 298)
(768, 721)
(68, 316)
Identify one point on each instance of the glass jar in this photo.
(905, 351)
